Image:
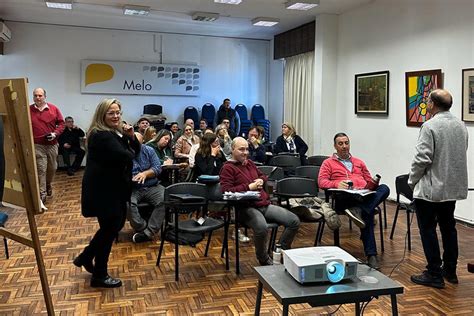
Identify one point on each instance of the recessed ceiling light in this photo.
(59, 4)
(228, 1)
(301, 4)
(265, 21)
(136, 10)
(205, 16)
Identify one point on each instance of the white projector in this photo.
(320, 264)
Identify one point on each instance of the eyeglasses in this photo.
(188, 130)
(114, 113)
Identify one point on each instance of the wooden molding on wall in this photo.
(294, 42)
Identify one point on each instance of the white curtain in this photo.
(299, 96)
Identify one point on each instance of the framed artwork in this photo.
(371, 93)
(419, 84)
(468, 95)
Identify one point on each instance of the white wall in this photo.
(275, 95)
(399, 36)
(50, 57)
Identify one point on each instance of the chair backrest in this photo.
(295, 185)
(317, 160)
(153, 109)
(208, 113)
(192, 113)
(242, 110)
(192, 188)
(286, 161)
(402, 187)
(311, 172)
(273, 173)
(258, 113)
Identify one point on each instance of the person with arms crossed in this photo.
(70, 143)
(48, 124)
(344, 171)
(438, 177)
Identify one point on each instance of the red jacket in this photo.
(235, 177)
(333, 171)
(50, 120)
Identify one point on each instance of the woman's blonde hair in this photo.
(219, 128)
(149, 133)
(98, 120)
(290, 127)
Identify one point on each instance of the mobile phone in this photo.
(350, 184)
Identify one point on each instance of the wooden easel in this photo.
(21, 182)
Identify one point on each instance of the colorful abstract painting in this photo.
(419, 84)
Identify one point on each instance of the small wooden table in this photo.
(287, 291)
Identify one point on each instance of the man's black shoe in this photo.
(428, 279)
(80, 262)
(49, 190)
(70, 172)
(355, 214)
(267, 262)
(373, 263)
(140, 237)
(470, 267)
(451, 277)
(107, 282)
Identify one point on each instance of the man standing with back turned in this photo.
(48, 124)
(438, 178)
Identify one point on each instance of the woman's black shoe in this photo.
(106, 282)
(80, 262)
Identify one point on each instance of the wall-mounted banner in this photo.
(122, 77)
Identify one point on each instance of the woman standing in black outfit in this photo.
(209, 157)
(106, 186)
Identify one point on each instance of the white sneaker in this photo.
(242, 237)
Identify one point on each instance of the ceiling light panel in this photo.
(265, 22)
(136, 10)
(301, 4)
(205, 16)
(228, 1)
(61, 4)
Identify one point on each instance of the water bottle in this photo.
(377, 179)
(277, 254)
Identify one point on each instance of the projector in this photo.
(320, 264)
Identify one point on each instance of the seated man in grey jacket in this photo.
(146, 168)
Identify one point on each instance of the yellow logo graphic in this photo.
(98, 73)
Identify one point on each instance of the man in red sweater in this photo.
(240, 174)
(344, 171)
(48, 123)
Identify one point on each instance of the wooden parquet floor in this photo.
(205, 287)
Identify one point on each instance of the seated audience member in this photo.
(146, 188)
(194, 149)
(240, 174)
(338, 172)
(184, 144)
(261, 134)
(202, 128)
(226, 112)
(289, 142)
(161, 143)
(256, 149)
(189, 122)
(149, 134)
(230, 130)
(174, 129)
(209, 157)
(70, 143)
(142, 124)
(224, 140)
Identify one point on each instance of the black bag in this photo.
(189, 239)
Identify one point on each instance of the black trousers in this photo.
(79, 152)
(101, 244)
(429, 215)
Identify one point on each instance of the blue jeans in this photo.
(367, 205)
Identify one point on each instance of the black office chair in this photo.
(288, 162)
(272, 172)
(310, 172)
(295, 187)
(317, 160)
(187, 198)
(401, 185)
(3, 220)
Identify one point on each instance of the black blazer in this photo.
(208, 165)
(107, 181)
(301, 147)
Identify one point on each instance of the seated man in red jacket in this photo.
(339, 171)
(240, 174)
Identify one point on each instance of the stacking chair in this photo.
(401, 185)
(208, 113)
(310, 172)
(272, 172)
(317, 160)
(3, 220)
(152, 109)
(192, 113)
(194, 200)
(287, 162)
(245, 123)
(258, 118)
(295, 187)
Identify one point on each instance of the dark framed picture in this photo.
(371, 93)
(418, 85)
(468, 95)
